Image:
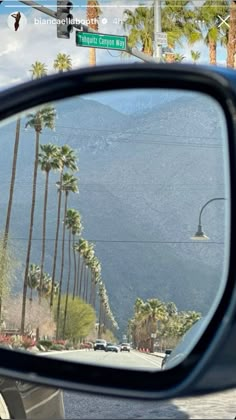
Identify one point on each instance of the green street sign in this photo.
(94, 40)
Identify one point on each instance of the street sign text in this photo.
(94, 40)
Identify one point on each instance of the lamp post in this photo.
(200, 235)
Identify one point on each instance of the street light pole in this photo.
(157, 51)
(200, 234)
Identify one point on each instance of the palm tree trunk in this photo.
(75, 273)
(12, 184)
(170, 57)
(231, 47)
(100, 320)
(94, 297)
(212, 52)
(10, 200)
(68, 287)
(62, 266)
(30, 232)
(56, 242)
(44, 235)
(84, 279)
(92, 56)
(92, 15)
(81, 279)
(87, 285)
(78, 276)
(92, 289)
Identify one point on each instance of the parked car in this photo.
(125, 347)
(100, 344)
(112, 347)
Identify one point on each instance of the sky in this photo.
(35, 41)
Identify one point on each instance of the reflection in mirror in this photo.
(101, 199)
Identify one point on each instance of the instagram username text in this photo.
(74, 21)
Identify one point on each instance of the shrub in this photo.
(46, 343)
(40, 347)
(57, 347)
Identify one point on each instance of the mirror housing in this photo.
(197, 372)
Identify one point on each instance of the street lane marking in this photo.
(148, 359)
(43, 402)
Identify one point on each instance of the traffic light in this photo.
(64, 19)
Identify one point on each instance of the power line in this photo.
(111, 130)
(128, 241)
(137, 142)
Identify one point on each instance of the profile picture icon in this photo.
(16, 21)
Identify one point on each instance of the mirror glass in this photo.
(114, 216)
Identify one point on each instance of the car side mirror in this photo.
(121, 228)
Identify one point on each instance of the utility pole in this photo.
(157, 51)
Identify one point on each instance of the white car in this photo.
(125, 347)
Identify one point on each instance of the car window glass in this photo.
(117, 227)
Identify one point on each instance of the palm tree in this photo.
(146, 316)
(38, 70)
(44, 118)
(69, 184)
(80, 248)
(62, 62)
(177, 20)
(209, 14)
(171, 308)
(88, 256)
(33, 280)
(86, 251)
(140, 24)
(93, 13)
(76, 230)
(179, 57)
(12, 183)
(103, 299)
(156, 311)
(48, 160)
(231, 45)
(67, 160)
(44, 289)
(9, 207)
(73, 223)
(95, 266)
(195, 55)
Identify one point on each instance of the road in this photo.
(84, 406)
(87, 406)
(134, 359)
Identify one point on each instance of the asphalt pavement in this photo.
(214, 406)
